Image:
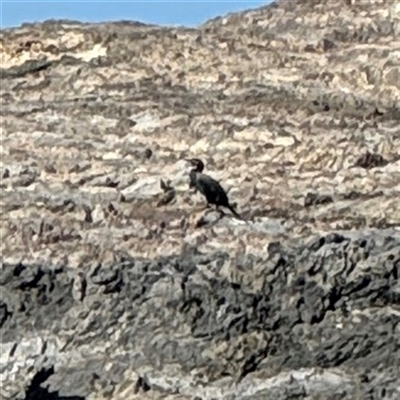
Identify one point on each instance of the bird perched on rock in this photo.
(208, 187)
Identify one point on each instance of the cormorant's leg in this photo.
(220, 211)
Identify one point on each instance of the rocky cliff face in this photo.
(115, 286)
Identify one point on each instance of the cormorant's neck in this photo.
(199, 167)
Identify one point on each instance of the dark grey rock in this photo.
(330, 304)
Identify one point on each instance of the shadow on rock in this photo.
(37, 392)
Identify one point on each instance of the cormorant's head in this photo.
(196, 163)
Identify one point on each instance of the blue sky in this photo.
(188, 13)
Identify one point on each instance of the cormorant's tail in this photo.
(235, 213)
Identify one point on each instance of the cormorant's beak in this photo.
(189, 160)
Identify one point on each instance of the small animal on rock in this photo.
(208, 187)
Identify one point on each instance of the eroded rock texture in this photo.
(116, 283)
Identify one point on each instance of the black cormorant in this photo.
(208, 187)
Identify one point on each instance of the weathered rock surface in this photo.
(116, 284)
